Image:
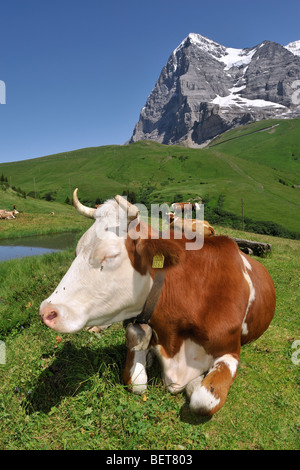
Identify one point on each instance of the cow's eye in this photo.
(106, 253)
(109, 258)
(108, 261)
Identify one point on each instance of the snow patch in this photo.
(237, 57)
(229, 56)
(236, 100)
(294, 47)
(236, 89)
(206, 44)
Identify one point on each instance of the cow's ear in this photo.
(160, 253)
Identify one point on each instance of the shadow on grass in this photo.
(71, 373)
(187, 416)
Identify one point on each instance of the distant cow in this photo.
(184, 207)
(188, 226)
(4, 214)
(203, 304)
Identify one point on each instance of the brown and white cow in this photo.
(211, 301)
(184, 207)
(188, 226)
(4, 214)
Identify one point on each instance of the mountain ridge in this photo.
(206, 88)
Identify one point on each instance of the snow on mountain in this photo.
(230, 56)
(206, 44)
(236, 100)
(237, 57)
(294, 47)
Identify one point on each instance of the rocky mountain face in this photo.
(206, 89)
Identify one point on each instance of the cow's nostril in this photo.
(51, 315)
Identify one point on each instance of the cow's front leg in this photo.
(208, 392)
(135, 374)
(138, 337)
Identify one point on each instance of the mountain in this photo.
(206, 88)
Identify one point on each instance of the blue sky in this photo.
(78, 72)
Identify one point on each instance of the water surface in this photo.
(36, 245)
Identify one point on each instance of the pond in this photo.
(37, 245)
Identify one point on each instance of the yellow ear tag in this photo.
(158, 261)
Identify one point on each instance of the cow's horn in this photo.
(132, 211)
(84, 210)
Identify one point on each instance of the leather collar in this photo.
(152, 299)
(139, 330)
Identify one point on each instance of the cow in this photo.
(4, 214)
(184, 207)
(189, 226)
(194, 311)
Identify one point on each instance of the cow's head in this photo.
(109, 280)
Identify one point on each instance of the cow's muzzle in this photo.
(49, 314)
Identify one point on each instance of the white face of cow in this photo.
(101, 286)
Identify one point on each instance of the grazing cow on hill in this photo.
(194, 309)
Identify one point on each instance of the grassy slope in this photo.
(35, 218)
(249, 167)
(66, 393)
(265, 158)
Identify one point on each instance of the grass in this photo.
(35, 218)
(66, 392)
(262, 168)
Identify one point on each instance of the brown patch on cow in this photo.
(134, 256)
(218, 383)
(128, 367)
(142, 251)
(131, 245)
(173, 252)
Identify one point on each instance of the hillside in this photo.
(263, 168)
(35, 216)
